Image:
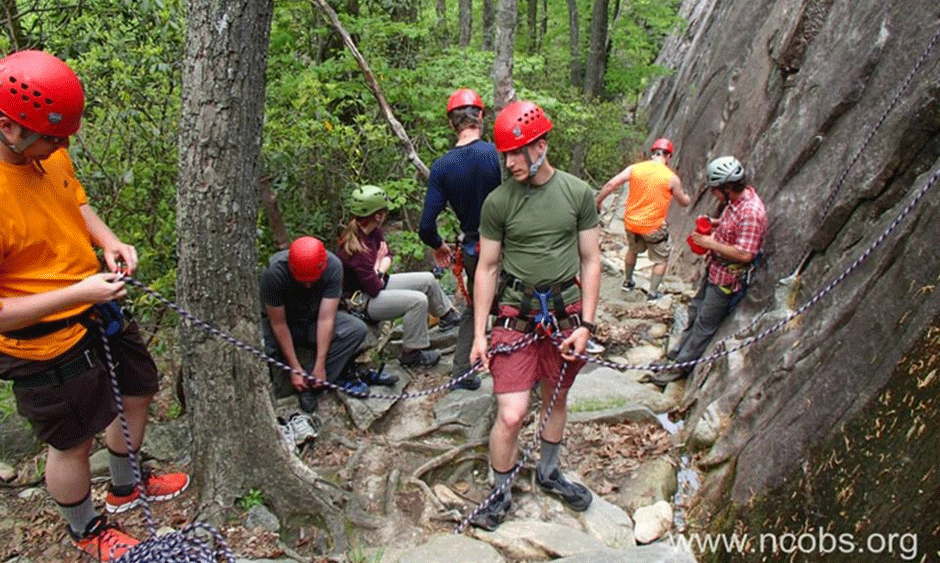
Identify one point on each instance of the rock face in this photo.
(834, 108)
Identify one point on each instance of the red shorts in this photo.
(539, 361)
(66, 414)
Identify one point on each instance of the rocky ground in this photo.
(413, 469)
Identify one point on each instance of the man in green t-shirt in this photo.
(540, 227)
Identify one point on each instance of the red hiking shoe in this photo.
(157, 487)
(105, 542)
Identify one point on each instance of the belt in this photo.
(519, 285)
(528, 325)
(58, 374)
(46, 328)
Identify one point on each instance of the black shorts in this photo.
(69, 412)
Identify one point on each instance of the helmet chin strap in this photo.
(25, 141)
(534, 166)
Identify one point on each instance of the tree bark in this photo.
(596, 57)
(575, 67)
(269, 199)
(13, 25)
(410, 153)
(236, 444)
(533, 25)
(489, 18)
(441, 10)
(506, 17)
(465, 14)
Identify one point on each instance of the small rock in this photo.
(7, 473)
(260, 517)
(652, 522)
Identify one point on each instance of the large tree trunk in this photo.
(465, 15)
(489, 17)
(575, 67)
(597, 52)
(236, 444)
(506, 16)
(440, 8)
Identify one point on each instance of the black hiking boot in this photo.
(492, 515)
(575, 496)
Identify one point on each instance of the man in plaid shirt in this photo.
(736, 240)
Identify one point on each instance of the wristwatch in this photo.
(590, 326)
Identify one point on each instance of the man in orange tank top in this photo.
(652, 185)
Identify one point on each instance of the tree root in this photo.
(446, 457)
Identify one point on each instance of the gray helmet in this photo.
(724, 170)
(366, 200)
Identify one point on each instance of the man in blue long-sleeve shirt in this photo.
(462, 178)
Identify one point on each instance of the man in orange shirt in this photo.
(51, 297)
(652, 187)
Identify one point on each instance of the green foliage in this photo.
(7, 400)
(252, 499)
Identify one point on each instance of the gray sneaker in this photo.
(492, 515)
(419, 358)
(304, 428)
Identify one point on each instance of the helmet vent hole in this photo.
(13, 91)
(12, 80)
(37, 93)
(37, 105)
(24, 86)
(25, 97)
(49, 102)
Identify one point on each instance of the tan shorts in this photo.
(655, 243)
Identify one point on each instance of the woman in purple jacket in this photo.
(366, 262)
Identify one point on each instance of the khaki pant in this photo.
(410, 296)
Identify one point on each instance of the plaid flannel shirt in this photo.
(742, 225)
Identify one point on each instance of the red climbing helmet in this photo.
(307, 259)
(518, 124)
(464, 97)
(41, 93)
(662, 144)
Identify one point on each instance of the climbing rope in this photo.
(458, 274)
(871, 134)
(188, 544)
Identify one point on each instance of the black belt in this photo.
(519, 285)
(46, 328)
(528, 325)
(58, 374)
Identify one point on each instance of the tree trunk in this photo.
(489, 17)
(441, 10)
(533, 24)
(269, 199)
(236, 444)
(465, 15)
(596, 57)
(13, 25)
(506, 17)
(575, 67)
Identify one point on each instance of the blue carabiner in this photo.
(544, 320)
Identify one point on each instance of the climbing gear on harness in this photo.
(105, 542)
(575, 496)
(366, 200)
(42, 94)
(156, 487)
(662, 144)
(724, 170)
(518, 124)
(492, 515)
(464, 97)
(544, 320)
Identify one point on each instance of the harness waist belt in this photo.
(58, 374)
(556, 289)
(528, 325)
(46, 328)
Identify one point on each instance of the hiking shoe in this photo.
(105, 542)
(594, 347)
(419, 358)
(575, 496)
(448, 321)
(304, 428)
(492, 515)
(654, 296)
(470, 383)
(376, 377)
(627, 285)
(354, 387)
(307, 400)
(157, 487)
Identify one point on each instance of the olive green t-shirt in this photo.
(538, 229)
